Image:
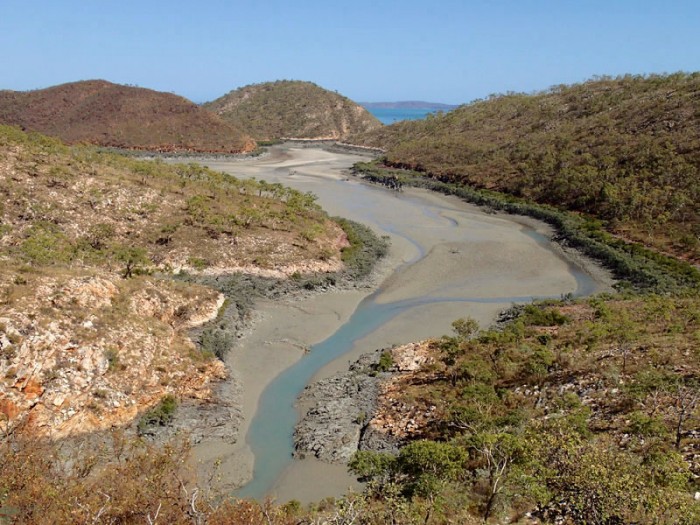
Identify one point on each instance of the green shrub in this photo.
(386, 362)
(369, 465)
(429, 464)
(648, 426)
(538, 363)
(465, 327)
(217, 341)
(538, 316)
(47, 244)
(160, 415)
(197, 263)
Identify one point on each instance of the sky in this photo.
(369, 50)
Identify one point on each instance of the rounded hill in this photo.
(106, 114)
(292, 109)
(623, 149)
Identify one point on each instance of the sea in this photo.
(390, 115)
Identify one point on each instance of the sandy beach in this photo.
(448, 259)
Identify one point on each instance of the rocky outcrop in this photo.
(339, 409)
(393, 419)
(354, 410)
(85, 353)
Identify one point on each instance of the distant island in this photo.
(409, 104)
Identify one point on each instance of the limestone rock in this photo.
(75, 361)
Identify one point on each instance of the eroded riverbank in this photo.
(448, 259)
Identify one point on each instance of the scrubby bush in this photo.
(365, 247)
(217, 341)
(160, 415)
(386, 362)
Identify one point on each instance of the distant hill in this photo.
(409, 104)
(292, 109)
(625, 149)
(107, 114)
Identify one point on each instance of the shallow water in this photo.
(455, 260)
(271, 432)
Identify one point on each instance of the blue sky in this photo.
(442, 51)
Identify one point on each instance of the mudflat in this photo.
(448, 259)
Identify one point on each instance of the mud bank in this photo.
(449, 259)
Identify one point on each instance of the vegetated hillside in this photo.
(99, 112)
(573, 411)
(292, 109)
(88, 337)
(626, 150)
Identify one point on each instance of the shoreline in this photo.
(294, 483)
(479, 256)
(253, 372)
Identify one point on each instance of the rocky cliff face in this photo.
(82, 353)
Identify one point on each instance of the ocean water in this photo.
(389, 116)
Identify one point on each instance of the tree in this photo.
(685, 401)
(368, 465)
(498, 453)
(465, 327)
(133, 257)
(592, 481)
(427, 465)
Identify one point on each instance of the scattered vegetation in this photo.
(292, 109)
(151, 215)
(160, 415)
(576, 412)
(641, 267)
(625, 150)
(386, 362)
(580, 411)
(40, 484)
(106, 114)
(90, 243)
